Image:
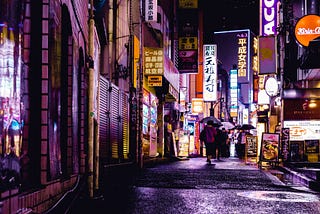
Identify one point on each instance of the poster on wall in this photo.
(270, 147)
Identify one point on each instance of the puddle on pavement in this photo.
(287, 178)
(280, 196)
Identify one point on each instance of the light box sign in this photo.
(233, 93)
(242, 55)
(303, 130)
(307, 29)
(153, 61)
(267, 55)
(154, 81)
(210, 69)
(151, 10)
(197, 106)
(268, 17)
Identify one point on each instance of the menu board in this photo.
(270, 147)
(251, 146)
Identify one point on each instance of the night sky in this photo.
(230, 15)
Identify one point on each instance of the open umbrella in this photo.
(246, 127)
(227, 125)
(213, 118)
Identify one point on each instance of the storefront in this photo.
(10, 103)
(149, 125)
(302, 119)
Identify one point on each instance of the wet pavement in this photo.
(193, 186)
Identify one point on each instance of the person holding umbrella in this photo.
(207, 136)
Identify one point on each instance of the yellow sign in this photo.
(153, 61)
(155, 80)
(188, 43)
(188, 4)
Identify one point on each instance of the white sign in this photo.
(303, 130)
(151, 10)
(271, 86)
(210, 70)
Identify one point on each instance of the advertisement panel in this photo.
(267, 55)
(303, 130)
(270, 147)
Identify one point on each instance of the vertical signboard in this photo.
(242, 54)
(234, 93)
(285, 139)
(267, 55)
(188, 22)
(268, 17)
(151, 10)
(210, 69)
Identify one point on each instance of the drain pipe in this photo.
(91, 101)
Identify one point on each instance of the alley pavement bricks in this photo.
(193, 186)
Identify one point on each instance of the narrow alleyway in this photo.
(193, 186)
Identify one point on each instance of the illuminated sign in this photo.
(267, 55)
(268, 19)
(307, 29)
(271, 86)
(155, 80)
(197, 105)
(153, 61)
(151, 10)
(210, 69)
(303, 130)
(255, 59)
(233, 93)
(242, 56)
(188, 43)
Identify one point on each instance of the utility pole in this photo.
(91, 101)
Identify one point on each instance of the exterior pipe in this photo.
(91, 101)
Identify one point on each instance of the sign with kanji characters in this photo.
(151, 10)
(210, 69)
(153, 61)
(188, 43)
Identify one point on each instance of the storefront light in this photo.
(312, 104)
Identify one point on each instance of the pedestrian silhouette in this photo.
(207, 136)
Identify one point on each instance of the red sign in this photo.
(307, 29)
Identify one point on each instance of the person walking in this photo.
(224, 143)
(208, 135)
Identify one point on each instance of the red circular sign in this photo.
(307, 29)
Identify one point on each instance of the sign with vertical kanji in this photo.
(210, 69)
(151, 10)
